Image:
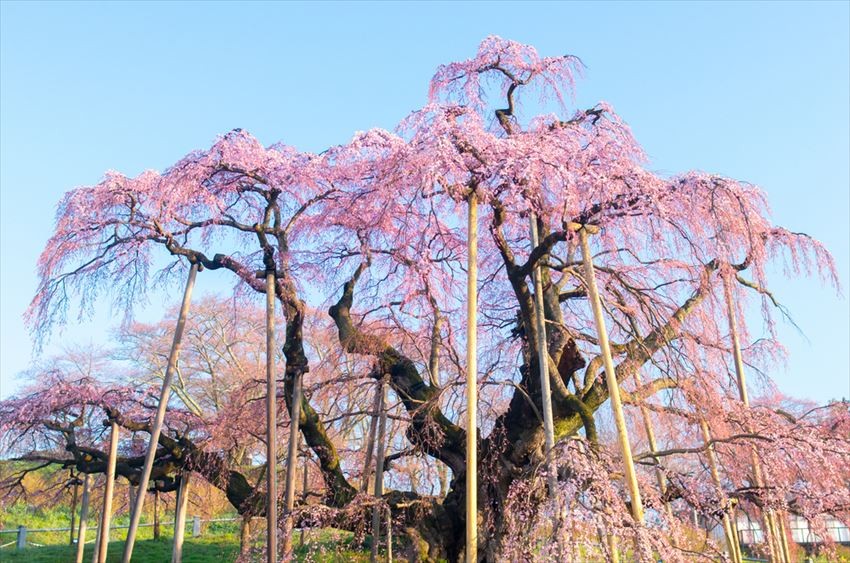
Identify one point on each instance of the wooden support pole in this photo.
(271, 422)
(304, 477)
(132, 493)
(728, 531)
(611, 378)
(609, 540)
(76, 483)
(545, 390)
(543, 365)
(156, 527)
(292, 464)
(109, 489)
(472, 383)
(434, 356)
(96, 550)
(613, 551)
(783, 535)
(380, 453)
(653, 448)
(182, 505)
(245, 534)
(733, 519)
(773, 541)
(84, 517)
(156, 429)
(369, 450)
(389, 535)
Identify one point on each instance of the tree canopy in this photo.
(370, 252)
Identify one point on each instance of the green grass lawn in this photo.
(195, 550)
(328, 547)
(219, 542)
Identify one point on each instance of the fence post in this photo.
(22, 537)
(196, 526)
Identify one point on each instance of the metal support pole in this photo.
(156, 428)
(472, 383)
(271, 423)
(106, 515)
(611, 377)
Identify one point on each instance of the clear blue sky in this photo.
(755, 91)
